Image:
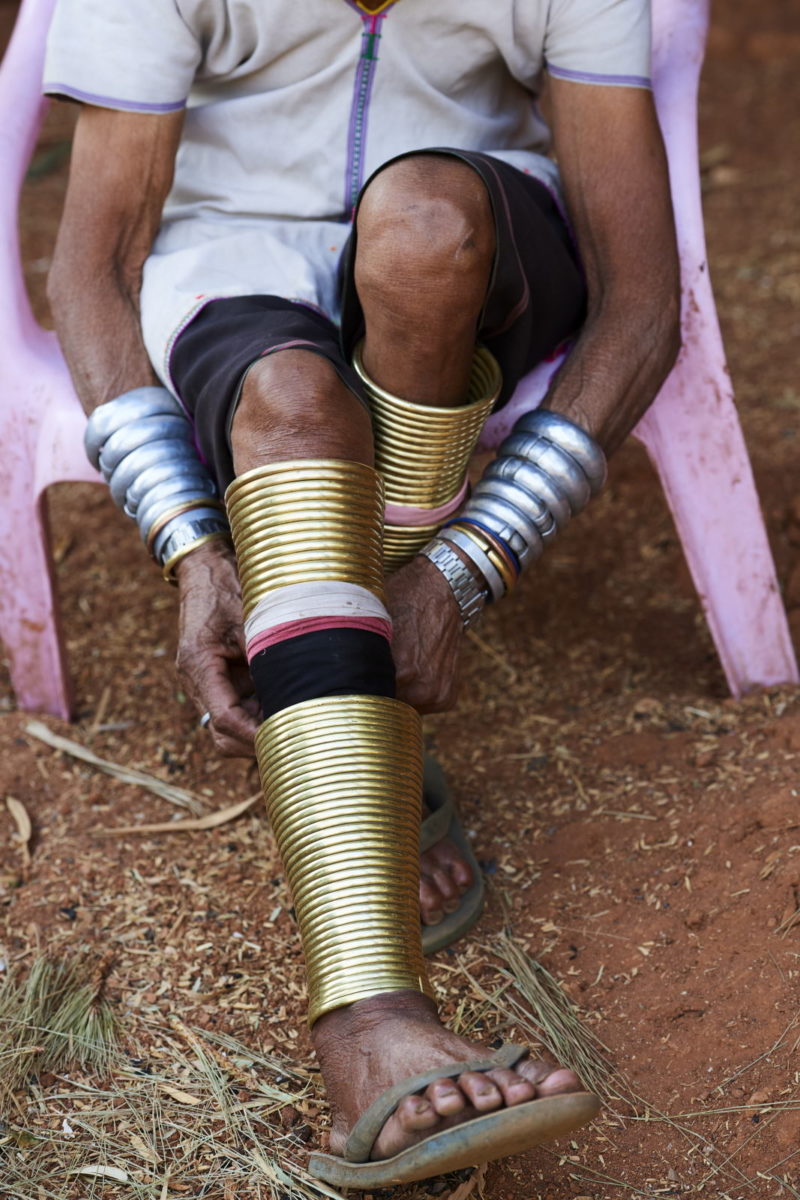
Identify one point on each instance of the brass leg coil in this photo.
(423, 452)
(307, 521)
(342, 778)
(342, 775)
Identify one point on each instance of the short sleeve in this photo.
(599, 41)
(134, 55)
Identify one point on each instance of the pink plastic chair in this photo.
(691, 432)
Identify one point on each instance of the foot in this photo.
(444, 878)
(370, 1046)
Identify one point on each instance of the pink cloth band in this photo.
(293, 629)
(406, 514)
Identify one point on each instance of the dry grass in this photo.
(200, 1116)
(58, 1016)
(556, 1020)
(177, 1111)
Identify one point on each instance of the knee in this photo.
(284, 393)
(428, 221)
(294, 405)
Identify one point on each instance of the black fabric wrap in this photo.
(329, 662)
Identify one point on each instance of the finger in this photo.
(228, 747)
(214, 693)
(252, 708)
(405, 666)
(423, 699)
(237, 724)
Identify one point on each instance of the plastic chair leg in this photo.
(29, 613)
(693, 437)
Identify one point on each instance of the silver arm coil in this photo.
(132, 406)
(546, 472)
(143, 442)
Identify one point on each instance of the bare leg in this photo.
(436, 262)
(425, 254)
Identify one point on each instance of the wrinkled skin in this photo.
(428, 636)
(211, 662)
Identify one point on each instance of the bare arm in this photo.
(121, 172)
(615, 179)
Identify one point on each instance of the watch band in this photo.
(470, 596)
(478, 557)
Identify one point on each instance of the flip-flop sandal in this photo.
(443, 822)
(479, 1140)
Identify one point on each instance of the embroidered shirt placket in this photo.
(362, 91)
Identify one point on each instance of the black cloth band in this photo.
(328, 662)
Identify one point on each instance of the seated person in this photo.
(307, 248)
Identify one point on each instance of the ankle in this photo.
(357, 1021)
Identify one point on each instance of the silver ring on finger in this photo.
(205, 720)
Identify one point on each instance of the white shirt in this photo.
(292, 104)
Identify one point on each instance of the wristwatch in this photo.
(470, 596)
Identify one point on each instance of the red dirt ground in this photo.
(641, 831)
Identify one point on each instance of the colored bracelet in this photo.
(497, 551)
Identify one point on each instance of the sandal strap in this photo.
(436, 825)
(366, 1130)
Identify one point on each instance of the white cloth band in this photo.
(308, 601)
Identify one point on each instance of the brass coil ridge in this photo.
(342, 777)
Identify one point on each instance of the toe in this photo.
(462, 875)
(549, 1080)
(447, 857)
(513, 1088)
(430, 901)
(559, 1081)
(484, 1095)
(447, 889)
(415, 1113)
(446, 1098)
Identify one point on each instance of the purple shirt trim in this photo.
(640, 81)
(65, 89)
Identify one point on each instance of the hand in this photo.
(211, 661)
(428, 633)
